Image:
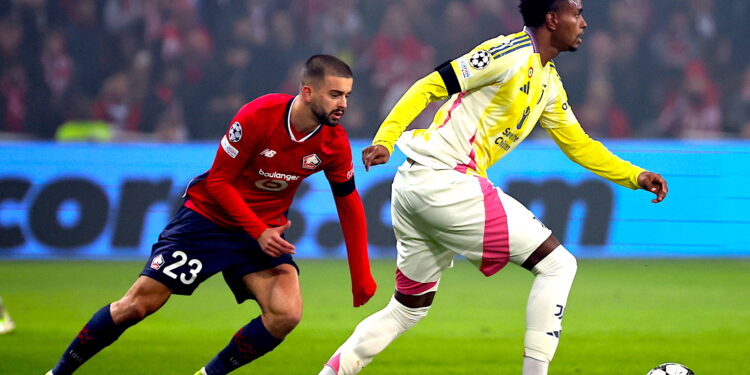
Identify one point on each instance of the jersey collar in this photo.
(531, 35)
(289, 124)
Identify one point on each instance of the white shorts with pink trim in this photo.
(437, 214)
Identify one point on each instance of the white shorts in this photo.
(437, 214)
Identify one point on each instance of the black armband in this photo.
(342, 189)
(449, 77)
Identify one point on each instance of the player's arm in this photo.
(229, 162)
(592, 155)
(477, 68)
(340, 175)
(562, 126)
(354, 226)
(426, 90)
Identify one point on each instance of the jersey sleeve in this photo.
(563, 127)
(341, 168)
(491, 62)
(426, 90)
(234, 152)
(486, 64)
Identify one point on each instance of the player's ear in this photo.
(551, 20)
(305, 92)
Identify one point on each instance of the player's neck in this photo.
(302, 119)
(544, 46)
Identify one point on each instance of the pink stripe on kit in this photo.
(496, 243)
(335, 362)
(472, 155)
(453, 107)
(410, 287)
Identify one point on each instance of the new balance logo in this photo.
(525, 88)
(268, 153)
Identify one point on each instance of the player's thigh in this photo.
(473, 218)
(526, 231)
(276, 290)
(191, 249)
(420, 260)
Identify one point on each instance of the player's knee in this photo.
(559, 262)
(128, 310)
(406, 316)
(281, 323)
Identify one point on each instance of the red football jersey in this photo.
(264, 162)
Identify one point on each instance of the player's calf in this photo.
(249, 343)
(546, 307)
(372, 336)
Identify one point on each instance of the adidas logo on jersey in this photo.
(525, 88)
(268, 153)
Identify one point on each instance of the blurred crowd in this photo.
(178, 70)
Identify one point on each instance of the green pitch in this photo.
(623, 317)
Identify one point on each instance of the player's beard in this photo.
(326, 118)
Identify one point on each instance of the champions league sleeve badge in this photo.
(480, 59)
(235, 132)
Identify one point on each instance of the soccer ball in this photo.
(671, 369)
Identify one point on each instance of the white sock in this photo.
(546, 305)
(371, 336)
(533, 366)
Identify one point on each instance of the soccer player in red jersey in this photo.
(234, 217)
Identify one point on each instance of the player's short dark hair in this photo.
(319, 66)
(534, 12)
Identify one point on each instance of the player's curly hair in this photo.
(534, 12)
(319, 66)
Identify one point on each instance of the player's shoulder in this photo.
(335, 139)
(512, 50)
(267, 103)
(516, 44)
(336, 134)
(555, 75)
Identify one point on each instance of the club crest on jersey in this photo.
(235, 132)
(480, 59)
(311, 161)
(157, 262)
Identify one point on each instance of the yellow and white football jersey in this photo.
(498, 92)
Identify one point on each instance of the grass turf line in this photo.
(623, 317)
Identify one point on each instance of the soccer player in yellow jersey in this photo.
(443, 204)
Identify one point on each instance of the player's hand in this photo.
(654, 183)
(271, 242)
(374, 155)
(363, 289)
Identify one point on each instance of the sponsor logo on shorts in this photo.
(157, 262)
(229, 149)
